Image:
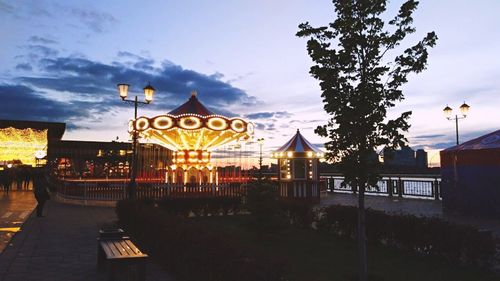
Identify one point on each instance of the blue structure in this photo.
(470, 175)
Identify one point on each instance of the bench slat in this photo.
(133, 247)
(119, 249)
(116, 248)
(107, 250)
(125, 249)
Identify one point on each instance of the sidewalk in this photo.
(61, 246)
(418, 207)
(15, 207)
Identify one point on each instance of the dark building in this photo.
(21, 142)
(404, 157)
(421, 159)
(94, 159)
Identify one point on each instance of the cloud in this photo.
(6, 8)
(267, 115)
(95, 20)
(24, 66)
(68, 88)
(41, 40)
(41, 50)
(429, 136)
(24, 103)
(260, 126)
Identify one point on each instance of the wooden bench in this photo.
(121, 258)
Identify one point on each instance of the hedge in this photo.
(201, 206)
(194, 251)
(426, 236)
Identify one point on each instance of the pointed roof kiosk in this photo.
(298, 162)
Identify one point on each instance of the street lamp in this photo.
(464, 109)
(261, 143)
(148, 97)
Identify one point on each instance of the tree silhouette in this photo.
(361, 78)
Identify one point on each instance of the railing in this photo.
(407, 186)
(113, 191)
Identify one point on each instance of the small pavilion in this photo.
(298, 172)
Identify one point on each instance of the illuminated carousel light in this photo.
(217, 124)
(190, 123)
(238, 125)
(142, 123)
(191, 131)
(289, 154)
(309, 154)
(130, 126)
(163, 123)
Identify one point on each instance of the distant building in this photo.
(404, 157)
(421, 159)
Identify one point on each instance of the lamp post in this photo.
(148, 97)
(261, 143)
(464, 108)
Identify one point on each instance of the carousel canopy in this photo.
(192, 106)
(298, 145)
(192, 128)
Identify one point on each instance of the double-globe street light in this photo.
(148, 97)
(464, 109)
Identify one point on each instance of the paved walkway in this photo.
(419, 207)
(15, 207)
(61, 246)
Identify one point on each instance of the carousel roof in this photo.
(298, 144)
(192, 126)
(192, 106)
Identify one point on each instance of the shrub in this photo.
(265, 210)
(420, 235)
(299, 212)
(200, 206)
(192, 250)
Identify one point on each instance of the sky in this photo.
(61, 61)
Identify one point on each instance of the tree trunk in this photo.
(363, 269)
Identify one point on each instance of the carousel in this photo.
(192, 132)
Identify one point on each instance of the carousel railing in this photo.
(114, 191)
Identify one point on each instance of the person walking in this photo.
(27, 178)
(2, 175)
(7, 180)
(40, 190)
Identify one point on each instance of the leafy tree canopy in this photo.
(360, 81)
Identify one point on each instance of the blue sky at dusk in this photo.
(61, 61)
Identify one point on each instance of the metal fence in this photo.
(408, 186)
(113, 191)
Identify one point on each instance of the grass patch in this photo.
(317, 256)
